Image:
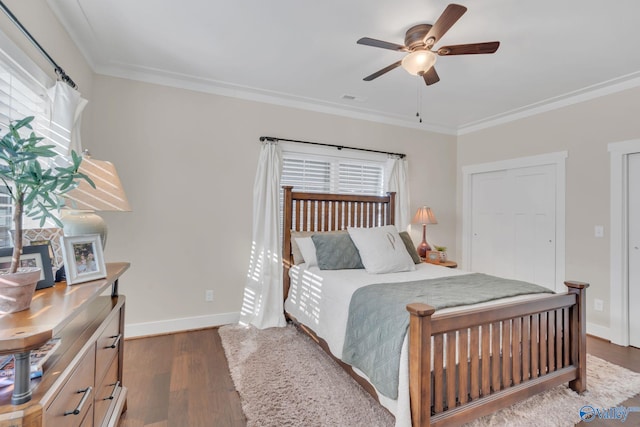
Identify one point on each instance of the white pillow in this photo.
(308, 251)
(381, 249)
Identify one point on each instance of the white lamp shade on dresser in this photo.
(79, 217)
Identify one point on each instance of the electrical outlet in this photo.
(598, 304)
(208, 295)
(598, 231)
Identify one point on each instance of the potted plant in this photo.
(442, 251)
(35, 190)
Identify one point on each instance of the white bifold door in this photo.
(634, 249)
(513, 224)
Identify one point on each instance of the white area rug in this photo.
(285, 379)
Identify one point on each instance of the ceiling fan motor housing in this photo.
(414, 37)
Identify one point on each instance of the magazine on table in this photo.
(38, 357)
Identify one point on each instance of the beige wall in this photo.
(584, 130)
(188, 160)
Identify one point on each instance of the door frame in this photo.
(557, 159)
(619, 256)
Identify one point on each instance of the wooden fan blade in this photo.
(469, 49)
(431, 77)
(451, 14)
(383, 71)
(379, 43)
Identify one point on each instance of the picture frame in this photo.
(433, 257)
(32, 256)
(83, 258)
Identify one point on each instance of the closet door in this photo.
(490, 224)
(513, 224)
(634, 249)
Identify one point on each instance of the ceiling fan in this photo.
(419, 40)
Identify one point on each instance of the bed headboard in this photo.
(329, 212)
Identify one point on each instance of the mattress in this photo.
(320, 300)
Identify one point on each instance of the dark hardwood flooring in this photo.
(183, 380)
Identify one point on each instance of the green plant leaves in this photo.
(32, 185)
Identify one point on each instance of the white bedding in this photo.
(320, 300)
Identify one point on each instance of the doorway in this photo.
(624, 327)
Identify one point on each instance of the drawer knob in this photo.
(87, 393)
(115, 342)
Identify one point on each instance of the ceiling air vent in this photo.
(352, 98)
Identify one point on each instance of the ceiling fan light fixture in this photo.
(419, 62)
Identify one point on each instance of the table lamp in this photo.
(424, 216)
(79, 217)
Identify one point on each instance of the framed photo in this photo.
(32, 256)
(83, 258)
(433, 257)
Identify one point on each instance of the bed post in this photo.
(420, 363)
(391, 209)
(286, 239)
(578, 327)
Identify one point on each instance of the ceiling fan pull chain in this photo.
(419, 103)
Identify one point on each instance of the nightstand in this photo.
(450, 264)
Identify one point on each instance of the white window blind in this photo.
(21, 95)
(23, 92)
(361, 178)
(306, 174)
(331, 174)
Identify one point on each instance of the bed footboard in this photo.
(488, 359)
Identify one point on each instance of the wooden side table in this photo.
(450, 264)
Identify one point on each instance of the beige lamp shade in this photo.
(80, 218)
(424, 215)
(108, 194)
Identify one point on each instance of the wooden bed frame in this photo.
(545, 337)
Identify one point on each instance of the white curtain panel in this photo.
(66, 112)
(397, 179)
(262, 304)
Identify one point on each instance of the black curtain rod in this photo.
(58, 70)
(339, 147)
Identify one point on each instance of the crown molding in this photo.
(609, 87)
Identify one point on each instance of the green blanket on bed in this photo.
(378, 318)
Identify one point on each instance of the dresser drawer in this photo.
(108, 346)
(75, 398)
(106, 393)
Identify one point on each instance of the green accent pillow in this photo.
(295, 249)
(406, 238)
(336, 252)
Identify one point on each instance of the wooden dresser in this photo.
(82, 380)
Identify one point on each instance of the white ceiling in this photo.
(304, 53)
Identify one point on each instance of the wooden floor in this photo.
(182, 380)
(179, 380)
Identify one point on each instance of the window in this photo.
(322, 170)
(329, 173)
(22, 93)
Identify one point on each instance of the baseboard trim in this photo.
(187, 323)
(598, 331)
(176, 325)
